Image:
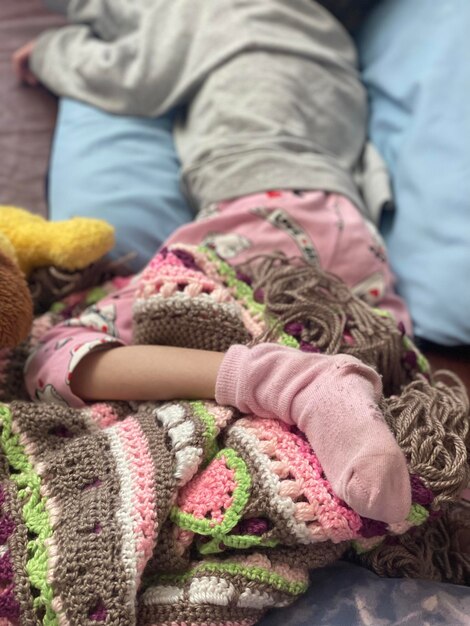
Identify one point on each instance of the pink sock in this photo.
(333, 400)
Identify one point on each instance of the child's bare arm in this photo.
(146, 373)
(332, 399)
(20, 61)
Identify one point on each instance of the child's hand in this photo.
(21, 67)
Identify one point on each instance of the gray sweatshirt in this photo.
(268, 90)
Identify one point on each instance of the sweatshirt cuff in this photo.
(226, 385)
(37, 59)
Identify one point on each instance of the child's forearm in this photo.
(147, 373)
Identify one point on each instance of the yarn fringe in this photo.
(438, 551)
(431, 425)
(333, 320)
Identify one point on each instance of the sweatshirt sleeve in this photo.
(130, 58)
(49, 368)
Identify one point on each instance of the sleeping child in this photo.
(270, 131)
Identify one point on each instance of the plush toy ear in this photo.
(16, 309)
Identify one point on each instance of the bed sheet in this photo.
(348, 595)
(27, 115)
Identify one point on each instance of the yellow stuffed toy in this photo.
(70, 245)
(55, 257)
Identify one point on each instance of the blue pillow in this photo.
(415, 56)
(121, 169)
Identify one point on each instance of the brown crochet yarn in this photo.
(333, 319)
(236, 531)
(51, 284)
(431, 425)
(438, 551)
(429, 415)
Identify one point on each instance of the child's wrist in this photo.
(226, 386)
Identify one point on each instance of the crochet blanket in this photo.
(187, 512)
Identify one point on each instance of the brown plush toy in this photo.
(16, 308)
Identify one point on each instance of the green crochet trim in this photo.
(95, 294)
(423, 363)
(362, 549)
(382, 312)
(256, 574)
(244, 294)
(92, 296)
(241, 495)
(57, 307)
(418, 515)
(238, 542)
(211, 430)
(35, 516)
